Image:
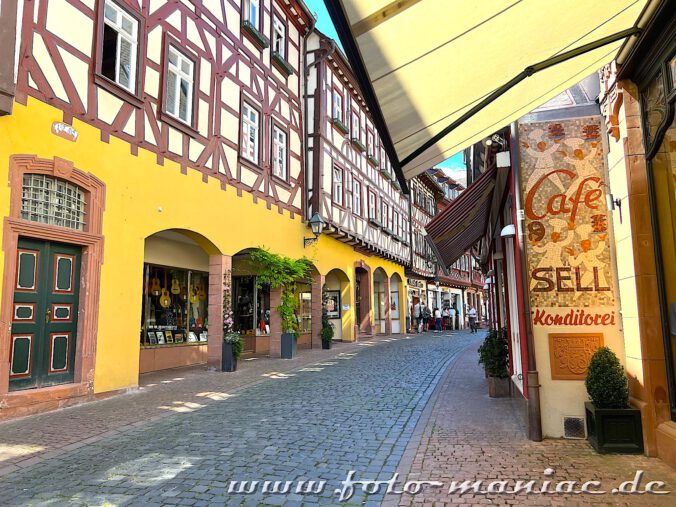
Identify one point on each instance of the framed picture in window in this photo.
(160, 338)
(153, 337)
(333, 304)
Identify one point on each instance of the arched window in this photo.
(52, 201)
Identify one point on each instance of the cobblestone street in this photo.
(416, 406)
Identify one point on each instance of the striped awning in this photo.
(440, 75)
(464, 221)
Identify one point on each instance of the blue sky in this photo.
(452, 166)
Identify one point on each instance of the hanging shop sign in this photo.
(64, 130)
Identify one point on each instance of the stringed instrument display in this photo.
(155, 285)
(201, 295)
(194, 295)
(175, 286)
(165, 297)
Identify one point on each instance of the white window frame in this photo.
(179, 76)
(251, 120)
(252, 12)
(279, 153)
(278, 29)
(370, 143)
(354, 115)
(337, 194)
(373, 205)
(131, 38)
(356, 197)
(337, 105)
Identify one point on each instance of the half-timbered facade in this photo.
(350, 180)
(150, 146)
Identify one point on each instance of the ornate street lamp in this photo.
(317, 226)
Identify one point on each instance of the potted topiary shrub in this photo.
(283, 273)
(612, 425)
(494, 356)
(327, 326)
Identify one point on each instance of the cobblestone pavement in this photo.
(354, 407)
(465, 435)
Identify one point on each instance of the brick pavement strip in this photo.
(354, 408)
(464, 435)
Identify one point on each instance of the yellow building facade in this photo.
(113, 198)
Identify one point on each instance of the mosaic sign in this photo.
(566, 214)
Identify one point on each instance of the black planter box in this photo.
(228, 361)
(288, 345)
(614, 430)
(326, 344)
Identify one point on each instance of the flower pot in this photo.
(326, 344)
(614, 430)
(228, 360)
(498, 387)
(288, 345)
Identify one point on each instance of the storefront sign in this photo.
(571, 282)
(64, 130)
(418, 284)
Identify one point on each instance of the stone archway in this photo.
(182, 302)
(381, 302)
(339, 295)
(397, 304)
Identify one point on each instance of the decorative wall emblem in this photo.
(64, 130)
(570, 353)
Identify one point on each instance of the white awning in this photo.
(450, 72)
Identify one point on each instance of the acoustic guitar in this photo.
(155, 286)
(175, 286)
(165, 298)
(194, 295)
(201, 295)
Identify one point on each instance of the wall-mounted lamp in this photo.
(436, 283)
(317, 225)
(508, 231)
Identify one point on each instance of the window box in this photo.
(256, 37)
(388, 175)
(358, 144)
(395, 237)
(375, 221)
(388, 231)
(397, 185)
(282, 64)
(373, 161)
(340, 125)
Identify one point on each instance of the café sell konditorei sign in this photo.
(571, 285)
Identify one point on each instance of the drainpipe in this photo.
(534, 416)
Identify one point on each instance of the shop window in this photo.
(52, 201)
(251, 306)
(120, 46)
(250, 133)
(179, 86)
(279, 153)
(305, 309)
(175, 303)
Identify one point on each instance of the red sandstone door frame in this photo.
(91, 242)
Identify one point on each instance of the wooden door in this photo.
(44, 315)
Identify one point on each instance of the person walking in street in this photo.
(471, 314)
(437, 320)
(426, 316)
(451, 316)
(417, 315)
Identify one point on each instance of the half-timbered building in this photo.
(351, 186)
(149, 145)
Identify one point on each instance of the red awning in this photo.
(464, 221)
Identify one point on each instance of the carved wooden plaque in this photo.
(570, 353)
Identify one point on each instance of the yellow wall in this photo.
(143, 198)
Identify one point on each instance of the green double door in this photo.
(44, 314)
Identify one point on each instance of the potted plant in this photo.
(232, 342)
(494, 356)
(612, 425)
(283, 273)
(327, 326)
